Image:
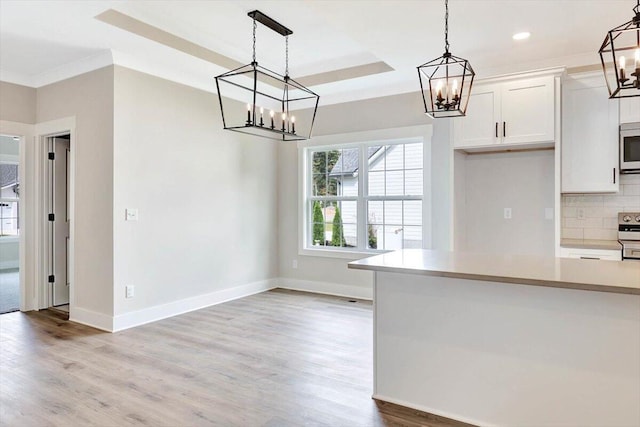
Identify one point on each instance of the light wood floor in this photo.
(279, 358)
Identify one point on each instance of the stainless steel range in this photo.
(629, 234)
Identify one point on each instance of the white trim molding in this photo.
(132, 319)
(151, 314)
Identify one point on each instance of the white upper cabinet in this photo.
(479, 127)
(629, 110)
(509, 113)
(589, 137)
(528, 111)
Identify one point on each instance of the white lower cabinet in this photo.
(595, 254)
(589, 137)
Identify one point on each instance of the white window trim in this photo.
(356, 139)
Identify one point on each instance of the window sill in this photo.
(335, 253)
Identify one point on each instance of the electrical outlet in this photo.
(580, 213)
(294, 264)
(129, 291)
(507, 213)
(548, 213)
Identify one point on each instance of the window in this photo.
(9, 191)
(364, 197)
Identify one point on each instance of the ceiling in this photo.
(346, 50)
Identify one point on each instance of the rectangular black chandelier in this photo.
(261, 102)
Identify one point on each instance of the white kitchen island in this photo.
(508, 340)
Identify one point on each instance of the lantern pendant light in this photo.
(261, 102)
(446, 81)
(620, 57)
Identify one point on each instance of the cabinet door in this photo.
(528, 111)
(630, 110)
(589, 138)
(479, 126)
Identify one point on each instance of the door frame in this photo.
(44, 131)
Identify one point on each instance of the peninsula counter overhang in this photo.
(621, 277)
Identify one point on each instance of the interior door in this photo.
(59, 221)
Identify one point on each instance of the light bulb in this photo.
(622, 62)
(272, 113)
(284, 116)
(455, 87)
(293, 119)
(248, 107)
(637, 57)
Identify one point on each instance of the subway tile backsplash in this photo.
(595, 216)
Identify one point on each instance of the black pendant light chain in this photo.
(446, 26)
(286, 56)
(254, 40)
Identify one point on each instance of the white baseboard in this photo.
(432, 411)
(163, 311)
(91, 318)
(159, 312)
(327, 288)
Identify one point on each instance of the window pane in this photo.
(395, 183)
(413, 156)
(376, 183)
(412, 210)
(393, 212)
(376, 158)
(375, 212)
(319, 185)
(350, 161)
(333, 186)
(413, 182)
(395, 157)
(339, 215)
(412, 237)
(392, 238)
(317, 223)
(319, 162)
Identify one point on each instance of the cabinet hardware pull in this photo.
(588, 257)
(614, 175)
(504, 129)
(496, 129)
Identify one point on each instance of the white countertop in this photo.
(593, 275)
(591, 244)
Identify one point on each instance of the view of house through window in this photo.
(365, 197)
(9, 224)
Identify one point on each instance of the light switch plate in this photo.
(507, 213)
(131, 214)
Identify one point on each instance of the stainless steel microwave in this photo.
(630, 147)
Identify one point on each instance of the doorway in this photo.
(9, 223)
(58, 218)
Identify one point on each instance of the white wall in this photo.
(88, 98)
(522, 181)
(206, 199)
(17, 103)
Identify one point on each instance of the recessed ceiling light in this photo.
(522, 36)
